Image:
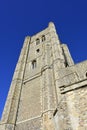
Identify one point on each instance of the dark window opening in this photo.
(33, 64)
(55, 112)
(86, 74)
(38, 50)
(43, 38)
(37, 41)
(66, 64)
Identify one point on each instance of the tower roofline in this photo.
(51, 24)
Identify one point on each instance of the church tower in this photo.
(48, 92)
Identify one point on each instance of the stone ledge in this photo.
(2, 122)
(74, 86)
(31, 78)
(37, 74)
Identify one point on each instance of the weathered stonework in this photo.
(48, 91)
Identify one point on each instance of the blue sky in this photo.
(20, 18)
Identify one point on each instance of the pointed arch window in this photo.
(34, 64)
(43, 38)
(37, 41)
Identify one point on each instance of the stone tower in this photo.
(48, 92)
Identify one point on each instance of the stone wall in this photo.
(72, 106)
(48, 92)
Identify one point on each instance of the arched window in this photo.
(34, 64)
(43, 38)
(37, 41)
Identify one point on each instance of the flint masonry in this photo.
(48, 91)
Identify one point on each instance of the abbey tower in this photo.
(48, 91)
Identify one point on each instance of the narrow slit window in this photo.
(43, 38)
(55, 112)
(86, 74)
(37, 41)
(34, 64)
(66, 64)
